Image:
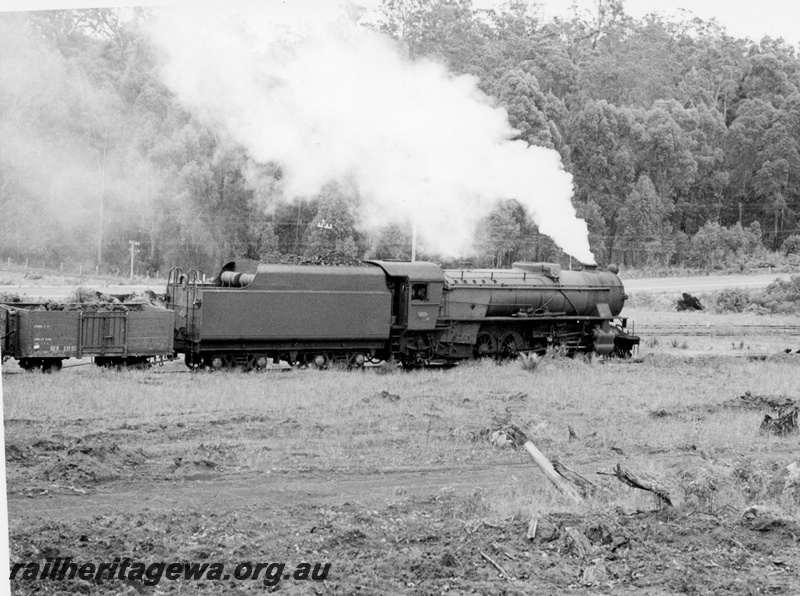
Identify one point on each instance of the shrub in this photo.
(732, 300)
(782, 296)
(715, 246)
(530, 361)
(791, 245)
(643, 300)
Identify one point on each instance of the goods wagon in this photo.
(118, 335)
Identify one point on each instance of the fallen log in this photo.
(749, 401)
(783, 423)
(503, 573)
(627, 477)
(532, 527)
(585, 486)
(581, 543)
(564, 487)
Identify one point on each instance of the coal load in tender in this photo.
(333, 258)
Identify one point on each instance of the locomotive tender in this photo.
(413, 312)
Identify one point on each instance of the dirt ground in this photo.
(423, 545)
(416, 531)
(176, 487)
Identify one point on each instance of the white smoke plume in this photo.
(329, 100)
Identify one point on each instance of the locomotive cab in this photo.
(416, 293)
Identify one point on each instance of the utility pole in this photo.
(414, 239)
(100, 233)
(102, 203)
(134, 250)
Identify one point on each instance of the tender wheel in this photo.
(318, 361)
(484, 346)
(356, 360)
(510, 345)
(193, 361)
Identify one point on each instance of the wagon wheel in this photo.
(27, 364)
(510, 345)
(484, 346)
(51, 365)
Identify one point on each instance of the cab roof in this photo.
(416, 271)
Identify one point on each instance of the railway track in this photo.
(716, 330)
(643, 330)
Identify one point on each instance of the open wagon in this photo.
(114, 335)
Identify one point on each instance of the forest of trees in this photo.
(683, 142)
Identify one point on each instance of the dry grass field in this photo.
(405, 481)
(34, 276)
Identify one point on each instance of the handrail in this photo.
(194, 277)
(177, 272)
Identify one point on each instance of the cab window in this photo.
(419, 292)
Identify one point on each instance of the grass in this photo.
(17, 274)
(412, 495)
(343, 421)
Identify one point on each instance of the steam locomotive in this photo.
(415, 313)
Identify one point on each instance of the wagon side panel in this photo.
(150, 332)
(103, 333)
(48, 334)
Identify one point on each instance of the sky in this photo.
(741, 18)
